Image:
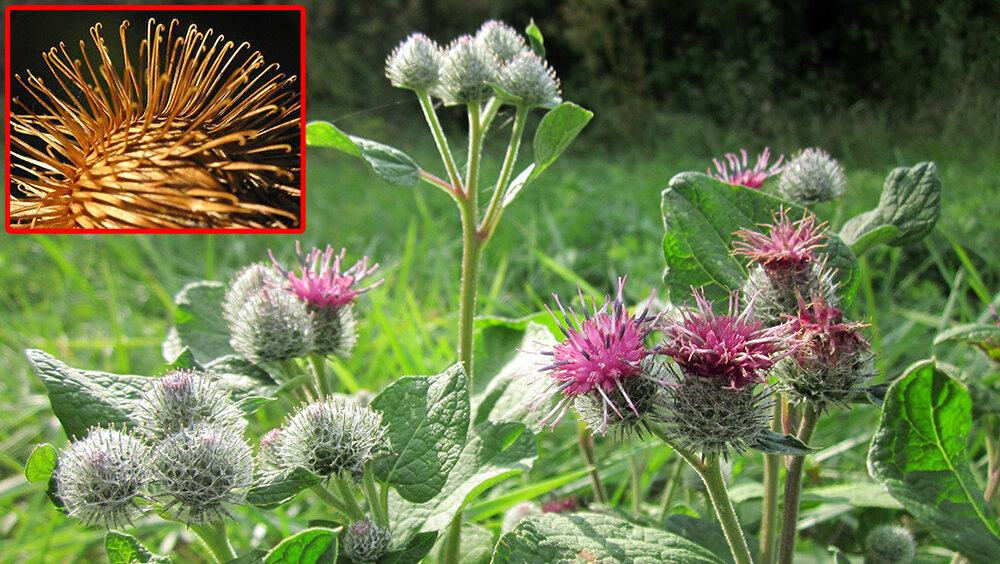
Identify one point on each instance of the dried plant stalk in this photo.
(204, 134)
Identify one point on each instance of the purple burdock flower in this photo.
(734, 349)
(788, 247)
(735, 169)
(600, 358)
(321, 283)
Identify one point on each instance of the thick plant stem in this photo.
(772, 481)
(318, 363)
(711, 474)
(439, 139)
(471, 245)
(587, 449)
(214, 537)
(668, 494)
(495, 209)
(379, 513)
(793, 489)
(354, 510)
(453, 543)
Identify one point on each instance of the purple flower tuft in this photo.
(734, 348)
(736, 169)
(321, 283)
(827, 339)
(599, 353)
(788, 247)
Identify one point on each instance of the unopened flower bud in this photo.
(201, 469)
(365, 541)
(811, 177)
(775, 299)
(181, 398)
(246, 283)
(891, 545)
(273, 325)
(415, 64)
(270, 457)
(503, 41)
(468, 69)
(100, 477)
(529, 80)
(333, 436)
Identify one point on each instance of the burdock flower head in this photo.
(600, 367)
(365, 541)
(811, 177)
(714, 407)
(785, 264)
(330, 437)
(834, 359)
(735, 169)
(529, 81)
(415, 64)
(468, 69)
(100, 477)
(329, 294)
(205, 134)
(272, 326)
(503, 41)
(181, 398)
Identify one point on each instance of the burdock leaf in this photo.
(776, 443)
(706, 534)
(311, 546)
(82, 399)
(535, 39)
(507, 351)
(390, 164)
(185, 361)
(199, 322)
(984, 337)
(918, 454)
(428, 420)
(558, 128)
(281, 489)
(910, 202)
(414, 551)
(125, 549)
(495, 451)
(701, 214)
(882, 235)
(41, 463)
(590, 537)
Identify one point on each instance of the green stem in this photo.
(439, 139)
(453, 543)
(495, 209)
(668, 495)
(292, 371)
(587, 449)
(793, 489)
(471, 245)
(214, 537)
(354, 510)
(318, 363)
(711, 474)
(772, 480)
(437, 182)
(490, 112)
(993, 460)
(636, 474)
(371, 494)
(328, 498)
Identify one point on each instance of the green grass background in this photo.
(105, 301)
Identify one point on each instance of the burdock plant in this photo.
(195, 132)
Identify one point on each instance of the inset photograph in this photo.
(155, 119)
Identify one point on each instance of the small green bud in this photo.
(530, 80)
(201, 469)
(365, 541)
(811, 177)
(503, 41)
(273, 325)
(415, 64)
(181, 398)
(468, 70)
(100, 477)
(333, 436)
(891, 545)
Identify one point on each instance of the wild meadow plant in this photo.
(389, 478)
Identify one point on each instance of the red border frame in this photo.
(94, 7)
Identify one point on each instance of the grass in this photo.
(105, 302)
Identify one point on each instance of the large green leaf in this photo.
(701, 213)
(910, 202)
(390, 164)
(413, 551)
(82, 399)
(199, 323)
(508, 349)
(918, 453)
(428, 420)
(706, 534)
(984, 337)
(311, 546)
(496, 450)
(125, 549)
(590, 537)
